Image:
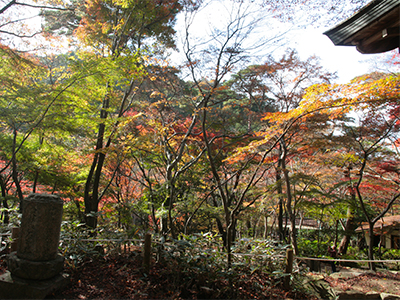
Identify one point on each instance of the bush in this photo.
(353, 253)
(392, 254)
(312, 248)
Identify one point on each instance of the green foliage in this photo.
(13, 214)
(78, 243)
(199, 259)
(354, 253)
(313, 248)
(391, 254)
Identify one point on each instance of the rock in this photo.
(349, 295)
(373, 296)
(386, 296)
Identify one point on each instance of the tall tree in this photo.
(116, 31)
(227, 48)
(371, 137)
(279, 85)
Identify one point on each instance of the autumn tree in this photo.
(374, 134)
(163, 142)
(115, 31)
(278, 86)
(373, 98)
(227, 48)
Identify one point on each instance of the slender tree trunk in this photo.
(229, 238)
(289, 208)
(372, 265)
(15, 172)
(153, 216)
(91, 194)
(265, 227)
(171, 198)
(349, 229)
(221, 231)
(35, 180)
(281, 231)
(350, 226)
(5, 213)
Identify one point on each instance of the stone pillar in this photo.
(36, 256)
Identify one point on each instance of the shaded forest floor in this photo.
(121, 277)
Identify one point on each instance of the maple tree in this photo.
(372, 91)
(278, 87)
(115, 31)
(375, 136)
(374, 97)
(27, 102)
(160, 144)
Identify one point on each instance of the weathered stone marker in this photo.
(36, 265)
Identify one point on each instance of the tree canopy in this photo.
(221, 143)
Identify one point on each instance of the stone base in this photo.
(35, 270)
(12, 287)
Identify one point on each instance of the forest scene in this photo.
(216, 136)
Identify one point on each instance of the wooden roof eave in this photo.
(373, 29)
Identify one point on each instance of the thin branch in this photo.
(40, 6)
(11, 3)
(20, 36)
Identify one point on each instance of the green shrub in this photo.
(391, 254)
(312, 248)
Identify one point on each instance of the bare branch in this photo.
(40, 6)
(20, 36)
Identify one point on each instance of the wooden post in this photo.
(289, 268)
(147, 253)
(14, 237)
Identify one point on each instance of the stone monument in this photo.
(34, 270)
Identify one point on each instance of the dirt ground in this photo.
(350, 279)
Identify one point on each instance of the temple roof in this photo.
(382, 225)
(373, 29)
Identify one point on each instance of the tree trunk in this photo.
(153, 216)
(15, 172)
(91, 194)
(349, 228)
(5, 213)
(292, 216)
(371, 264)
(265, 226)
(230, 237)
(281, 231)
(221, 231)
(171, 198)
